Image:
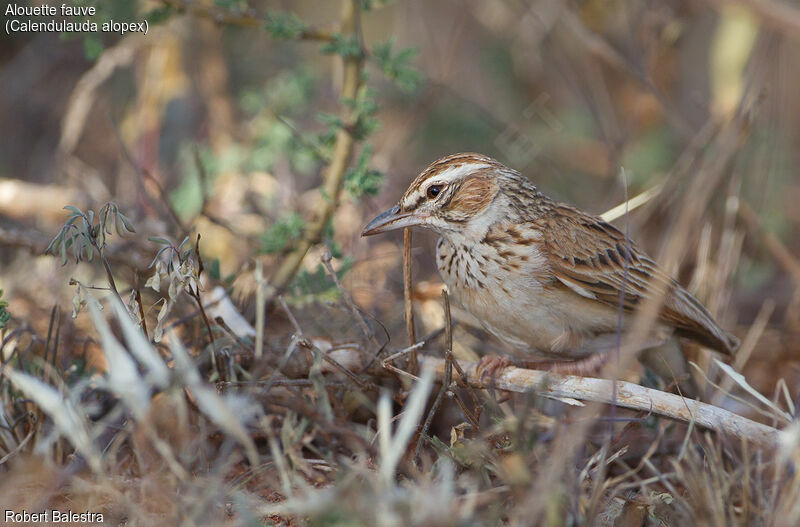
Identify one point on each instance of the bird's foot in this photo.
(489, 365)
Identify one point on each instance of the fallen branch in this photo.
(628, 395)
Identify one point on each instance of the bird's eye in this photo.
(434, 191)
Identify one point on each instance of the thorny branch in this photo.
(342, 153)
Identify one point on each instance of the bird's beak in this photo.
(390, 220)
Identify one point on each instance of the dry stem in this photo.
(409, 302)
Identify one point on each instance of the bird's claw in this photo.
(489, 365)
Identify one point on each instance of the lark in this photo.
(545, 278)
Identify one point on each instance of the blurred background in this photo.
(211, 124)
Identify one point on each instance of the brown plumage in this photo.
(542, 276)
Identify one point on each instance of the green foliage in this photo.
(93, 43)
(282, 232)
(198, 162)
(347, 46)
(364, 109)
(159, 15)
(92, 46)
(327, 239)
(4, 314)
(214, 269)
(316, 285)
(84, 233)
(284, 25)
(287, 92)
(332, 124)
(361, 180)
(396, 66)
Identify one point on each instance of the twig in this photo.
(236, 338)
(196, 295)
(386, 363)
(473, 417)
(628, 395)
(409, 302)
(303, 341)
(297, 134)
(261, 286)
(143, 174)
(138, 297)
(203, 315)
(446, 381)
(296, 325)
(348, 299)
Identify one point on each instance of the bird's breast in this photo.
(505, 286)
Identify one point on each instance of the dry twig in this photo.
(628, 395)
(409, 302)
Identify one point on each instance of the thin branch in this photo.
(628, 395)
(409, 302)
(145, 174)
(348, 299)
(446, 381)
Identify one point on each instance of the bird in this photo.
(545, 278)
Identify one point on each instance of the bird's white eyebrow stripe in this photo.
(444, 177)
(451, 174)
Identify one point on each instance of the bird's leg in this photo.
(583, 367)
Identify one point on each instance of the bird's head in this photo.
(454, 194)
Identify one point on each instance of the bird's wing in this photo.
(594, 259)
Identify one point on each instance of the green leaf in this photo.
(214, 270)
(159, 15)
(346, 46)
(281, 233)
(283, 25)
(126, 222)
(92, 46)
(396, 67)
(74, 210)
(364, 109)
(361, 180)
